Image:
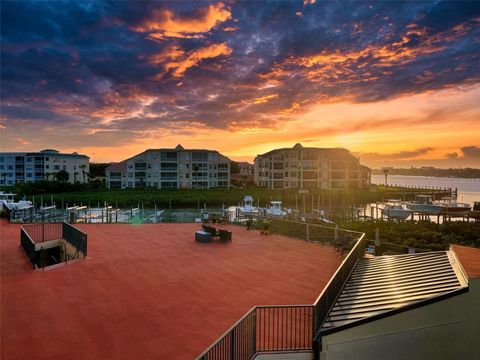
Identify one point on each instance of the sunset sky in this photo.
(397, 83)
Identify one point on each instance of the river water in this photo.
(468, 189)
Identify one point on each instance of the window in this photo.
(169, 156)
(64, 167)
(56, 167)
(199, 156)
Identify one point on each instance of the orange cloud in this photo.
(335, 67)
(164, 23)
(264, 99)
(174, 58)
(170, 52)
(22, 141)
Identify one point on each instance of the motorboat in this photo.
(23, 205)
(450, 206)
(248, 207)
(394, 209)
(475, 213)
(8, 201)
(423, 204)
(276, 209)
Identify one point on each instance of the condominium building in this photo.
(19, 167)
(171, 169)
(245, 168)
(309, 167)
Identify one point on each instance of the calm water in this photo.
(468, 189)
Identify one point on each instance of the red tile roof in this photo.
(149, 291)
(470, 260)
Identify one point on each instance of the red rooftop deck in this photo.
(149, 291)
(470, 260)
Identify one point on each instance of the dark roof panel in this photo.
(383, 284)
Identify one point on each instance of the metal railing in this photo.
(238, 342)
(32, 234)
(287, 327)
(109, 214)
(284, 328)
(265, 329)
(28, 246)
(75, 237)
(327, 297)
(44, 232)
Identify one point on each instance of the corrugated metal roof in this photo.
(382, 284)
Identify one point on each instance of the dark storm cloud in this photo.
(126, 66)
(471, 152)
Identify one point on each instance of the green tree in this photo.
(62, 176)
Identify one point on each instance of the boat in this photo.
(451, 207)
(423, 204)
(475, 213)
(8, 201)
(394, 209)
(247, 207)
(276, 209)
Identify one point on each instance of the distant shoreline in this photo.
(467, 173)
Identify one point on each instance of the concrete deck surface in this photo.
(149, 291)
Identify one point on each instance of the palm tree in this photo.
(75, 174)
(83, 167)
(195, 169)
(62, 176)
(386, 171)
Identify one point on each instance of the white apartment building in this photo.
(19, 167)
(171, 169)
(309, 167)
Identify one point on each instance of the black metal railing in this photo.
(287, 327)
(284, 328)
(265, 329)
(76, 237)
(44, 232)
(28, 246)
(327, 297)
(32, 234)
(238, 342)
